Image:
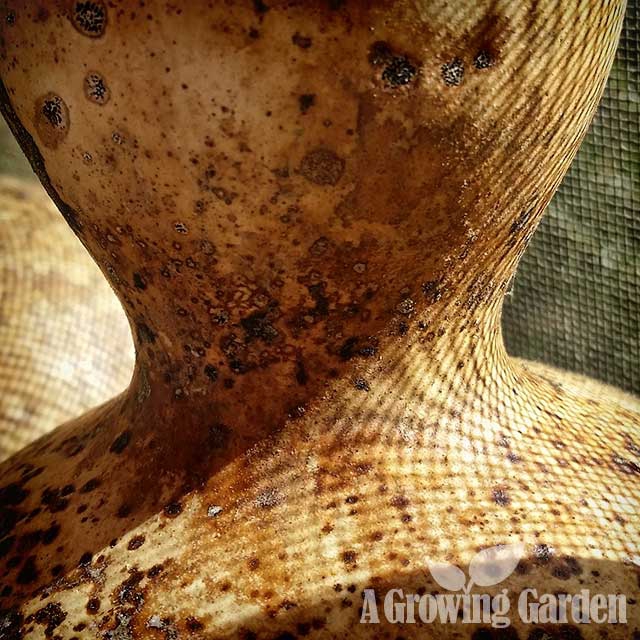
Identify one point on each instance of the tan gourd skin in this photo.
(311, 233)
(52, 368)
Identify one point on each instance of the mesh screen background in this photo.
(575, 301)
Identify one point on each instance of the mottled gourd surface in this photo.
(311, 212)
(65, 346)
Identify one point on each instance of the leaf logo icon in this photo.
(488, 567)
(495, 564)
(448, 575)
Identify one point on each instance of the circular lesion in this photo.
(51, 119)
(96, 89)
(89, 18)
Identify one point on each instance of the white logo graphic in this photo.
(487, 568)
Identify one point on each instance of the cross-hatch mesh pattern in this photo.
(575, 302)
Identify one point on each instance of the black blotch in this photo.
(93, 606)
(52, 616)
(145, 334)
(29, 572)
(51, 533)
(121, 442)
(301, 373)
(90, 485)
(12, 494)
(356, 346)
(139, 282)
(306, 101)
(260, 7)
(257, 325)
(211, 372)
(173, 509)
(301, 41)
(54, 500)
(361, 384)
(193, 624)
(218, 436)
(136, 542)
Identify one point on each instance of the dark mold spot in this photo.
(218, 436)
(565, 567)
(93, 606)
(483, 60)
(29, 572)
(121, 442)
(139, 282)
(95, 88)
(52, 616)
(89, 18)
(54, 499)
(145, 334)
(398, 69)
(301, 41)
(357, 346)
(322, 166)
(51, 533)
(12, 494)
(136, 542)
(90, 485)
(260, 7)
(193, 624)
(51, 120)
(501, 497)
(306, 101)
(211, 372)
(173, 509)
(399, 72)
(349, 557)
(453, 72)
(361, 384)
(257, 325)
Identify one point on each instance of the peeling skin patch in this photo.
(453, 72)
(51, 119)
(95, 88)
(322, 167)
(89, 18)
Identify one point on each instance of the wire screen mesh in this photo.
(575, 302)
